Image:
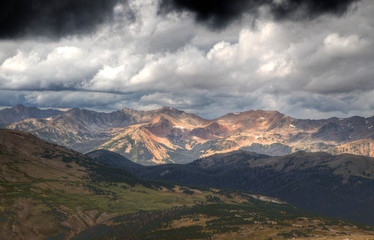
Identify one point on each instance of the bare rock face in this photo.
(168, 135)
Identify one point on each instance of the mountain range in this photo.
(20, 112)
(334, 185)
(50, 192)
(168, 135)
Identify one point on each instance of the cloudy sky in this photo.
(304, 58)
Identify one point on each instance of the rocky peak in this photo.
(169, 110)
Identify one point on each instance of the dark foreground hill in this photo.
(340, 186)
(50, 192)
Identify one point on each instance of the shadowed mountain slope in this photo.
(340, 186)
(114, 159)
(20, 112)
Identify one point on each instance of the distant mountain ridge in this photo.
(20, 112)
(114, 159)
(339, 186)
(168, 135)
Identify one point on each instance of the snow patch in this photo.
(236, 113)
(267, 199)
(292, 126)
(164, 173)
(179, 127)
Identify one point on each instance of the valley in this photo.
(50, 192)
(332, 185)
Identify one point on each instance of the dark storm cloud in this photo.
(214, 13)
(220, 13)
(52, 18)
(305, 70)
(309, 9)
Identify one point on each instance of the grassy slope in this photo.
(46, 189)
(50, 191)
(338, 186)
(218, 219)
